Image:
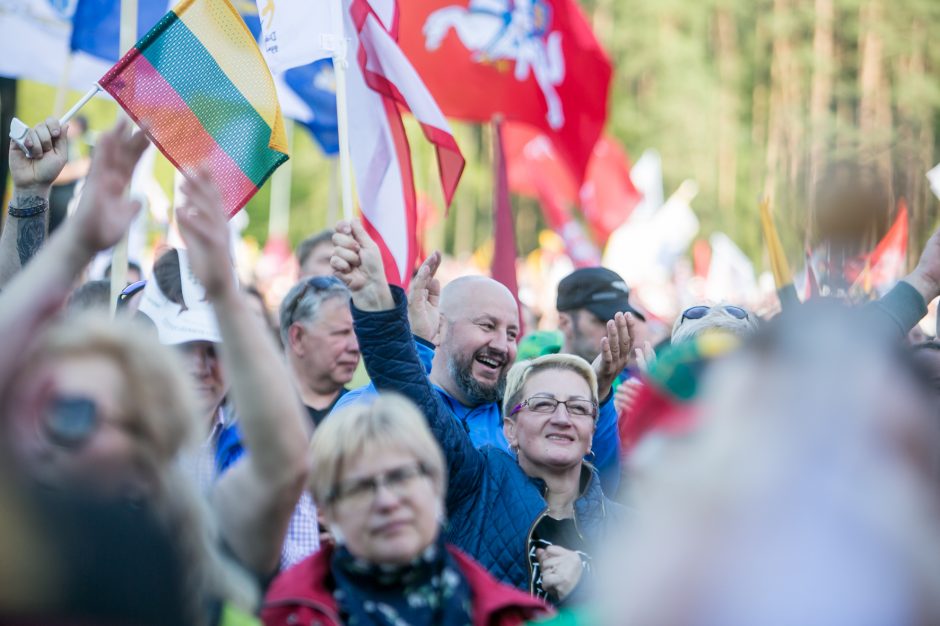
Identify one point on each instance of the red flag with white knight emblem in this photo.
(530, 61)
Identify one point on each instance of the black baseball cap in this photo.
(597, 289)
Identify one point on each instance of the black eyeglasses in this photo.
(698, 312)
(316, 283)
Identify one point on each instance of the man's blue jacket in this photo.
(484, 423)
(492, 505)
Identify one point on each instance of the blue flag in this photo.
(96, 25)
(315, 84)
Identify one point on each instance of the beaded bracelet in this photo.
(30, 210)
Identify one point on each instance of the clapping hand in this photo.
(104, 212)
(202, 224)
(424, 297)
(616, 349)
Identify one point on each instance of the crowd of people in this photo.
(175, 457)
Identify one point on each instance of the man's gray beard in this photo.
(473, 390)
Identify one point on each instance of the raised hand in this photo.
(616, 349)
(424, 296)
(104, 212)
(357, 262)
(202, 224)
(48, 154)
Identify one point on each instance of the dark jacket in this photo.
(302, 595)
(492, 505)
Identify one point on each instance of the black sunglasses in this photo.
(315, 283)
(700, 311)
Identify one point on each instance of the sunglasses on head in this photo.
(700, 311)
(315, 283)
(129, 292)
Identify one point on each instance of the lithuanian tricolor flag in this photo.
(199, 87)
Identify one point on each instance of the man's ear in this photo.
(565, 324)
(294, 336)
(439, 335)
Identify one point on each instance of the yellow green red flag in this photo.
(198, 85)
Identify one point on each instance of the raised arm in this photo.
(27, 222)
(102, 217)
(616, 349)
(381, 320)
(255, 499)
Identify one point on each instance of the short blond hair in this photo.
(521, 371)
(390, 421)
(156, 392)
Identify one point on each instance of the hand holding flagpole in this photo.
(18, 129)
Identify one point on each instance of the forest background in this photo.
(747, 97)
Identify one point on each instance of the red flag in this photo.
(888, 259)
(532, 61)
(503, 268)
(607, 196)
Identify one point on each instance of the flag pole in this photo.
(63, 88)
(128, 34)
(279, 218)
(338, 44)
(18, 128)
(332, 197)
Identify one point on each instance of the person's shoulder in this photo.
(306, 579)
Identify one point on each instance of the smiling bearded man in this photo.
(466, 336)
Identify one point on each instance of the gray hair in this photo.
(303, 301)
(717, 319)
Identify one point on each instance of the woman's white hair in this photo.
(717, 319)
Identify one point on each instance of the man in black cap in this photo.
(587, 299)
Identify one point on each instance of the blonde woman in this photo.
(380, 479)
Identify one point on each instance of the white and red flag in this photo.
(530, 61)
(380, 80)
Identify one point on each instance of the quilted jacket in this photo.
(484, 423)
(302, 595)
(492, 505)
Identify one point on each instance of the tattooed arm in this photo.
(27, 220)
(102, 217)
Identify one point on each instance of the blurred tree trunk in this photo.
(874, 112)
(727, 47)
(820, 101)
(915, 136)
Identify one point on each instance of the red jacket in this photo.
(300, 596)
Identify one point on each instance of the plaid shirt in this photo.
(303, 534)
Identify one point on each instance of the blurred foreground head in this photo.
(807, 495)
(99, 401)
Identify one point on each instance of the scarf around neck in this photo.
(429, 590)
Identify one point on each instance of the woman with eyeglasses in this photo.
(379, 479)
(533, 518)
(724, 318)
